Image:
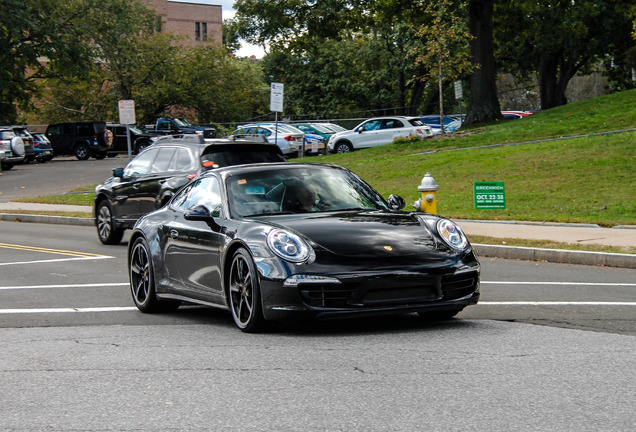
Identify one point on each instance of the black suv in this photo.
(139, 139)
(151, 179)
(82, 139)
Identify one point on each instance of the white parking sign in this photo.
(127, 112)
(276, 98)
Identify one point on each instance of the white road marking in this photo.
(558, 283)
(56, 260)
(64, 286)
(481, 303)
(554, 303)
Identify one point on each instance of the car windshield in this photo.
(136, 130)
(238, 154)
(322, 129)
(416, 122)
(181, 122)
(299, 190)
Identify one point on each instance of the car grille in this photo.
(388, 291)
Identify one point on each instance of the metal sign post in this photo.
(127, 117)
(276, 104)
(458, 96)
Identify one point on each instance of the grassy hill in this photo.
(585, 179)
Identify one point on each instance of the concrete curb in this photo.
(58, 220)
(556, 255)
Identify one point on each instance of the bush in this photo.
(408, 140)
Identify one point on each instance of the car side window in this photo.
(83, 129)
(163, 159)
(54, 130)
(182, 161)
(391, 124)
(372, 125)
(68, 129)
(141, 164)
(204, 191)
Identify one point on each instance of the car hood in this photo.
(362, 233)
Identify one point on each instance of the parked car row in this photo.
(17, 145)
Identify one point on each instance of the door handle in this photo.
(174, 234)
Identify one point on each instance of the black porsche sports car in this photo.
(287, 241)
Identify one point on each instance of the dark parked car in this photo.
(82, 139)
(139, 139)
(42, 147)
(27, 139)
(150, 179)
(288, 241)
(11, 148)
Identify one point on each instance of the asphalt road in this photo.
(75, 354)
(60, 175)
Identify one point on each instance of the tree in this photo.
(560, 39)
(484, 105)
(445, 36)
(31, 30)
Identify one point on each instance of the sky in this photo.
(246, 50)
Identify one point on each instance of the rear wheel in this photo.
(106, 230)
(244, 293)
(6, 166)
(82, 151)
(343, 147)
(142, 280)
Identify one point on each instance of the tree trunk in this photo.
(484, 105)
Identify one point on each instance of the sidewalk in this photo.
(564, 233)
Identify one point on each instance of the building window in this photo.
(197, 31)
(204, 30)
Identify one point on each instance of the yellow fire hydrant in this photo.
(428, 202)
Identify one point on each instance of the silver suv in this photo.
(377, 131)
(11, 148)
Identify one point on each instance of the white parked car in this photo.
(289, 141)
(377, 131)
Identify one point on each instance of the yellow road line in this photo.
(50, 251)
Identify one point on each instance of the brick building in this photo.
(201, 23)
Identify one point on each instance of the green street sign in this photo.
(490, 195)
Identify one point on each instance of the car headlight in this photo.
(288, 246)
(452, 234)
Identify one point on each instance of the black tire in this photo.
(343, 147)
(438, 316)
(106, 231)
(82, 151)
(244, 296)
(142, 280)
(6, 166)
(141, 146)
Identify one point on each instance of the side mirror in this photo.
(118, 172)
(198, 213)
(359, 130)
(396, 202)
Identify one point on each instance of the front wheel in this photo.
(82, 151)
(343, 147)
(244, 293)
(106, 230)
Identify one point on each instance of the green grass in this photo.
(584, 180)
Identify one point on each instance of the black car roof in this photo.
(246, 169)
(201, 144)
